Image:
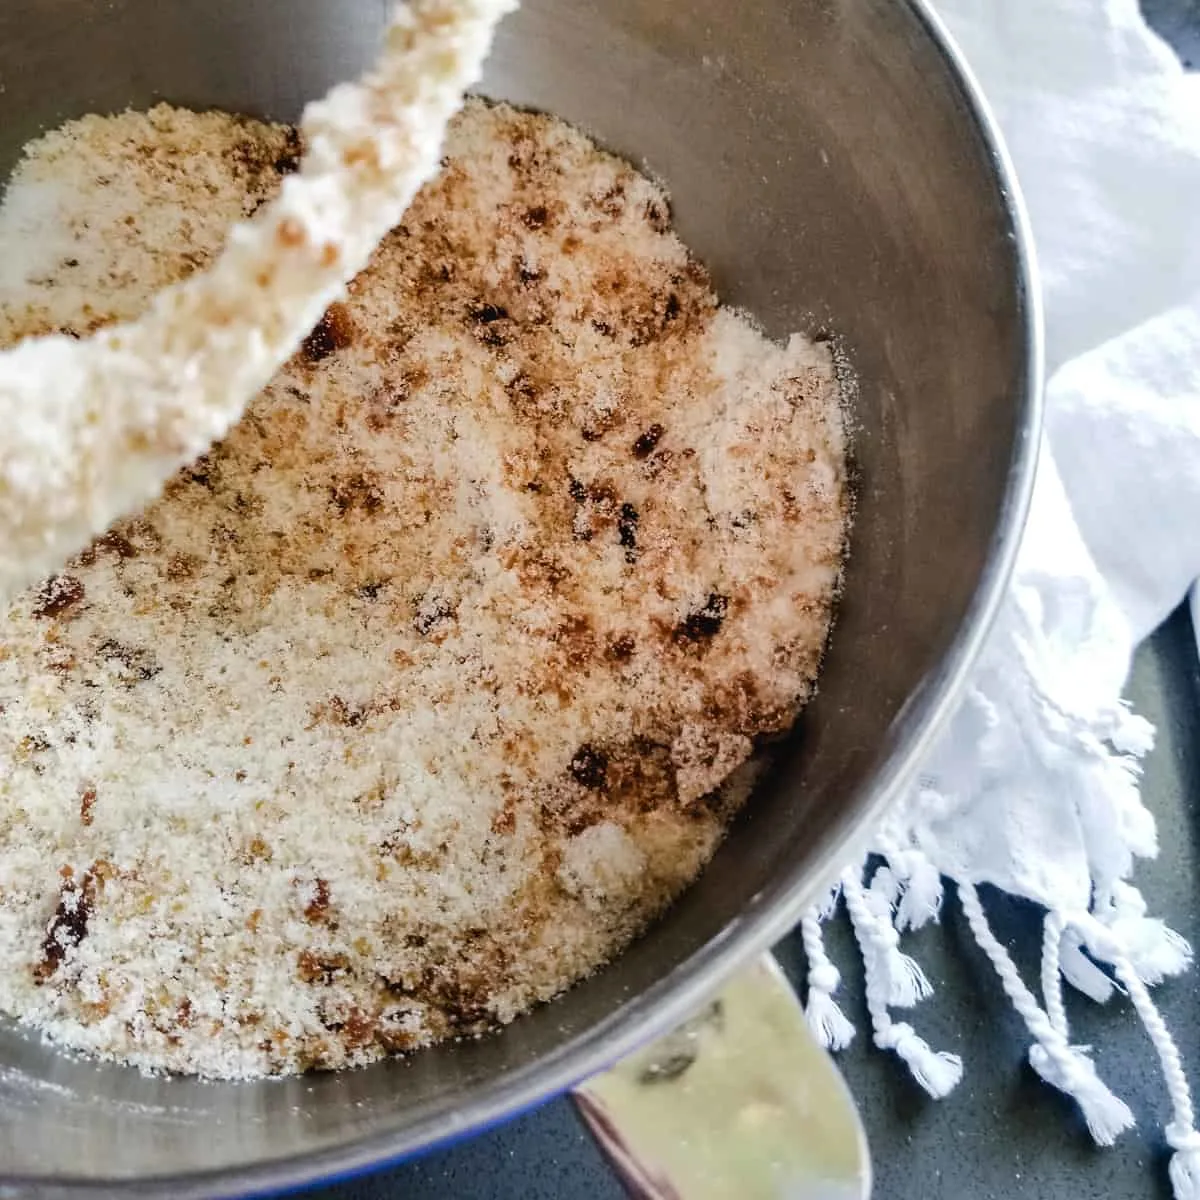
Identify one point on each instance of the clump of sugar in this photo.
(409, 704)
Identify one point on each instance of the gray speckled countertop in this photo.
(1003, 1133)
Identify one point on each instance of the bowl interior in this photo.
(826, 162)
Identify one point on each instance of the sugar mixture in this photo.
(410, 704)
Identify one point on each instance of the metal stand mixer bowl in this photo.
(830, 163)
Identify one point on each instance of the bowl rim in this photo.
(674, 997)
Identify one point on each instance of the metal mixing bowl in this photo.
(832, 164)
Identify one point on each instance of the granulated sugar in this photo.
(407, 706)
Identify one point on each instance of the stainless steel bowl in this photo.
(832, 164)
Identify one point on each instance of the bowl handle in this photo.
(739, 1101)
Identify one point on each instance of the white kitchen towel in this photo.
(1033, 787)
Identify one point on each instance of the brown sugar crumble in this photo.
(410, 704)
